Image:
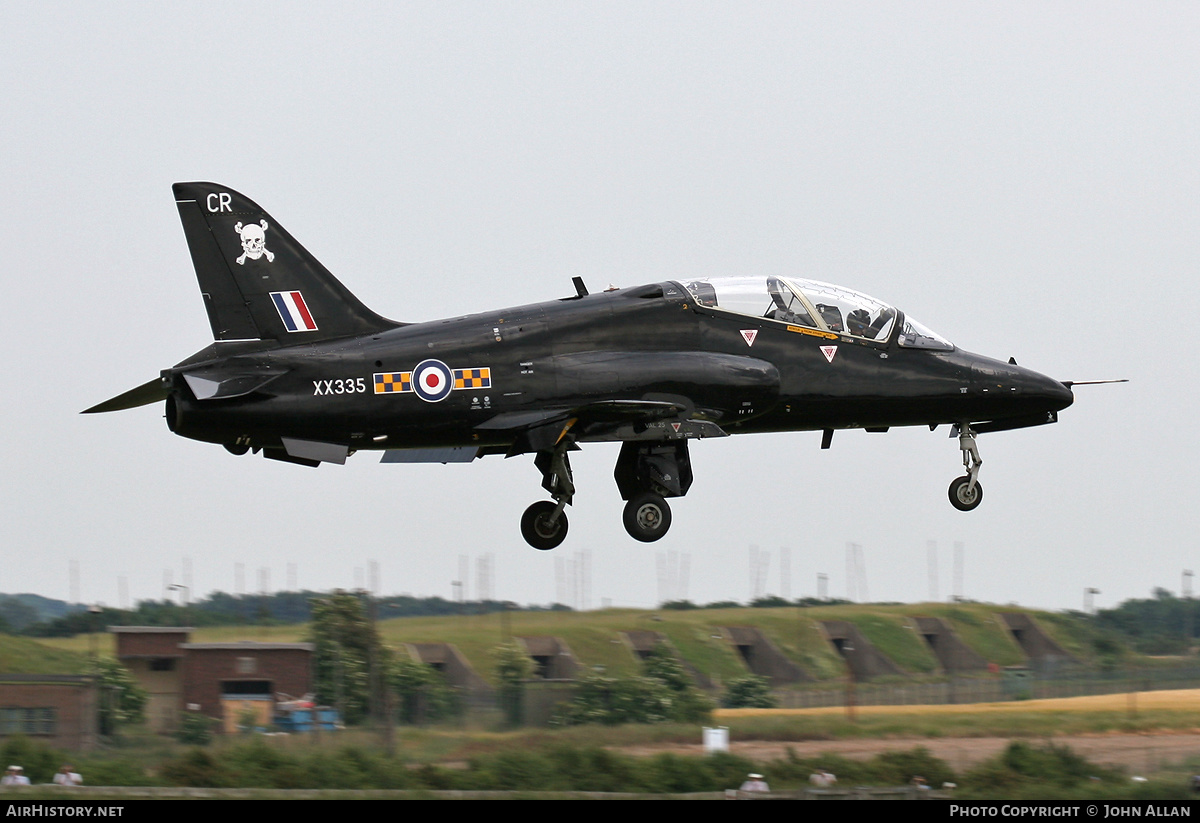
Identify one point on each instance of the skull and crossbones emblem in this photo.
(254, 241)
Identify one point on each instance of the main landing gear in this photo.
(647, 517)
(966, 492)
(544, 524)
(647, 473)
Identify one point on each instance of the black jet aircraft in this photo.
(301, 371)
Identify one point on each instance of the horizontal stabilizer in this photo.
(457, 454)
(151, 392)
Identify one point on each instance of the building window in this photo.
(230, 688)
(28, 721)
(162, 664)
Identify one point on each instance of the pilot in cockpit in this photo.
(859, 323)
(832, 316)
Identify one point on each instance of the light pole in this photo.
(845, 648)
(187, 598)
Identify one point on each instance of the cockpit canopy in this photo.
(815, 305)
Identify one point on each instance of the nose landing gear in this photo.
(966, 492)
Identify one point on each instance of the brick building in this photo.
(218, 680)
(154, 658)
(226, 680)
(57, 709)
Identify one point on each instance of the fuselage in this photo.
(433, 384)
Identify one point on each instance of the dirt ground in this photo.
(1137, 753)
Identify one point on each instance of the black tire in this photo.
(537, 529)
(647, 517)
(960, 499)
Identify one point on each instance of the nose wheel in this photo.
(647, 517)
(966, 493)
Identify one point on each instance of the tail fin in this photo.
(257, 281)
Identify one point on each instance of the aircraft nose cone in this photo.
(1054, 393)
(1011, 390)
(1065, 395)
(1060, 394)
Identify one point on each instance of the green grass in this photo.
(20, 655)
(982, 630)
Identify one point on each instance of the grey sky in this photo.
(1020, 177)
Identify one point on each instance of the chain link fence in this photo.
(1010, 684)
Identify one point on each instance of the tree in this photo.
(663, 693)
(688, 704)
(423, 691)
(616, 700)
(344, 641)
(513, 668)
(749, 692)
(122, 700)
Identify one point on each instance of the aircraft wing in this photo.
(600, 411)
(666, 387)
(538, 429)
(603, 420)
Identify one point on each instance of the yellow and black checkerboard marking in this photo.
(472, 378)
(393, 382)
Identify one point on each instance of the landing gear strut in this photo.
(966, 492)
(647, 473)
(544, 524)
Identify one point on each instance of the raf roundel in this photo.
(432, 380)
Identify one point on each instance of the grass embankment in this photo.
(596, 638)
(20, 655)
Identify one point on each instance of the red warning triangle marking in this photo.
(675, 426)
(829, 352)
(748, 335)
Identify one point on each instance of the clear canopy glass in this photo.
(812, 304)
